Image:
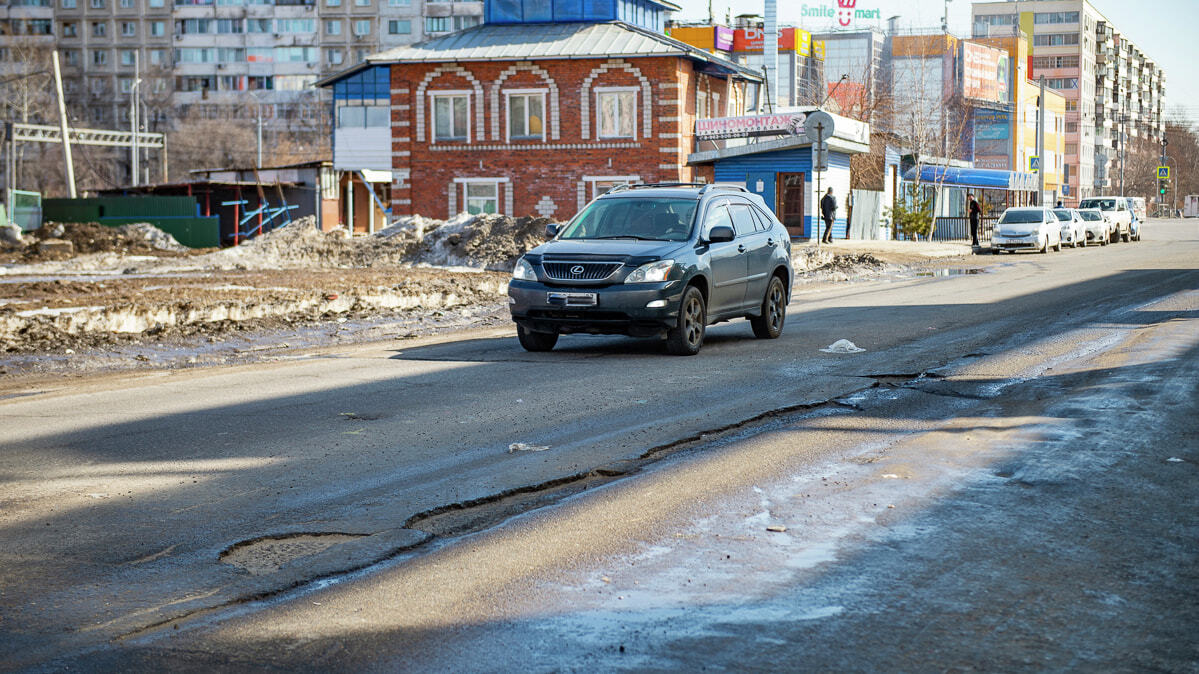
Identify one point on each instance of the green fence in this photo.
(177, 216)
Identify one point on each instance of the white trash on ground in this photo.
(526, 447)
(842, 346)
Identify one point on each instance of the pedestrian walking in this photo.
(976, 212)
(828, 212)
(1059, 204)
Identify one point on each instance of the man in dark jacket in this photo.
(976, 212)
(828, 212)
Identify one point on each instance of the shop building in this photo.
(547, 105)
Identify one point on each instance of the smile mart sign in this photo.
(844, 11)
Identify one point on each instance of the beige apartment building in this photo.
(212, 57)
(1110, 85)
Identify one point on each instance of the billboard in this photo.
(984, 73)
(753, 39)
(992, 124)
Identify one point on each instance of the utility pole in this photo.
(62, 125)
(133, 167)
(1123, 142)
(1041, 144)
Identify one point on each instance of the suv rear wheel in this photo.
(688, 334)
(774, 312)
(536, 341)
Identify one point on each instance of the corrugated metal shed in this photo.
(530, 42)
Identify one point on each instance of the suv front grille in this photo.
(580, 271)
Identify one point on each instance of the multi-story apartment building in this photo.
(1109, 84)
(215, 57)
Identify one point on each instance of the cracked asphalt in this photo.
(1003, 480)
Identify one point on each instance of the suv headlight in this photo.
(651, 272)
(523, 271)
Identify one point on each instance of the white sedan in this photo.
(1099, 225)
(1027, 228)
(1074, 230)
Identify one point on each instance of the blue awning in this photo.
(991, 179)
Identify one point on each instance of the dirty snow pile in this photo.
(488, 242)
(151, 236)
(813, 258)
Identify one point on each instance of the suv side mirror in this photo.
(721, 233)
(551, 230)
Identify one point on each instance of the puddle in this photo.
(949, 272)
(268, 555)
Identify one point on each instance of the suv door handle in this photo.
(741, 248)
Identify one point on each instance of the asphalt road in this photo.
(1033, 427)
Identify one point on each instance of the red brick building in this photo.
(530, 118)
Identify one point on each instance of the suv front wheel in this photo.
(688, 334)
(536, 341)
(769, 325)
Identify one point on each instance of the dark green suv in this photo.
(662, 260)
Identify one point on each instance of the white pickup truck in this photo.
(1119, 210)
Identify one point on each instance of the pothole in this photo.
(261, 556)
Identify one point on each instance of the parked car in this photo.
(1138, 208)
(1027, 228)
(656, 261)
(1074, 230)
(1117, 210)
(1098, 225)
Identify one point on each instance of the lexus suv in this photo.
(660, 260)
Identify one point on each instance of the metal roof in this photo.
(527, 42)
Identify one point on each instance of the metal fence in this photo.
(958, 229)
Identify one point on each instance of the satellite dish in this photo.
(818, 126)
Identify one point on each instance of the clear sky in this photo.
(1166, 30)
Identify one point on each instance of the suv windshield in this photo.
(1102, 204)
(1090, 215)
(659, 218)
(1021, 218)
(1062, 214)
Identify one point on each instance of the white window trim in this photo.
(604, 179)
(461, 183)
(598, 112)
(508, 112)
(433, 95)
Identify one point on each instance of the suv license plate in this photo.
(573, 299)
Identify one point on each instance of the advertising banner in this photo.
(984, 73)
(753, 39)
(803, 42)
(992, 124)
(818, 49)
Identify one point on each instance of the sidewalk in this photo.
(892, 250)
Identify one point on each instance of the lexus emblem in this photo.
(577, 269)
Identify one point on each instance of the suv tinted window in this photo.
(658, 218)
(743, 220)
(764, 223)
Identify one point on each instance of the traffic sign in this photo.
(1034, 164)
(1163, 173)
(819, 126)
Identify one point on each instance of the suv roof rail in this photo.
(722, 186)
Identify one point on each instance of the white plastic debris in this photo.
(526, 447)
(1174, 459)
(842, 346)
(890, 476)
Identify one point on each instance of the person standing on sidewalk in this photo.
(828, 211)
(975, 214)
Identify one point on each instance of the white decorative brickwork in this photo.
(399, 92)
(508, 205)
(403, 123)
(453, 190)
(668, 119)
(401, 139)
(674, 150)
(582, 195)
(668, 135)
(585, 94)
(551, 114)
(402, 202)
(421, 105)
(546, 207)
(526, 148)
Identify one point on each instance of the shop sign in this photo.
(749, 125)
(1001, 163)
(818, 49)
(992, 124)
(724, 38)
(754, 39)
(844, 11)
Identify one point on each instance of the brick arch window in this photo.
(463, 106)
(527, 100)
(618, 101)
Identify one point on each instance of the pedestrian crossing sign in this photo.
(1034, 164)
(1163, 173)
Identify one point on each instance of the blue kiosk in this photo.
(772, 156)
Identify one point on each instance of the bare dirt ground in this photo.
(132, 298)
